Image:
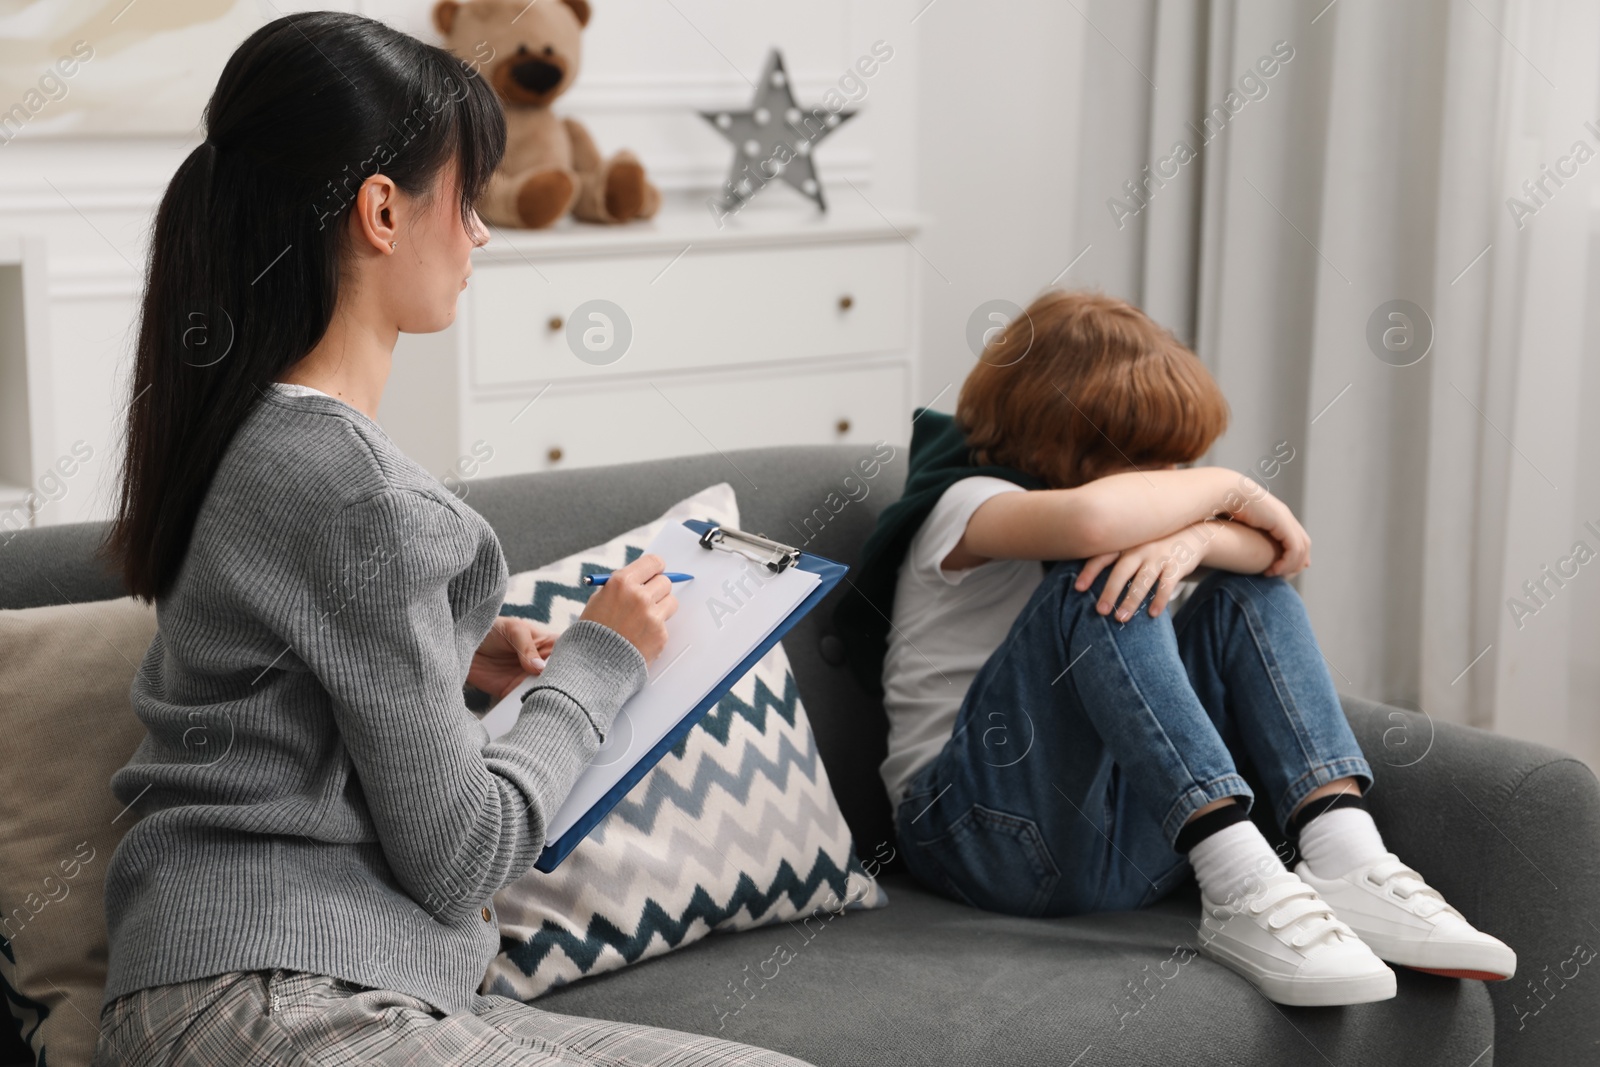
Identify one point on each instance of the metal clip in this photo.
(765, 551)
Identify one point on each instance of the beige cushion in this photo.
(68, 726)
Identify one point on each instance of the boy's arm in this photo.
(1161, 564)
(1233, 546)
(1212, 543)
(1109, 514)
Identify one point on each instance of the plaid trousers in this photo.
(294, 1019)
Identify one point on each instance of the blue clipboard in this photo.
(828, 571)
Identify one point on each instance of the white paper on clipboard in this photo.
(723, 615)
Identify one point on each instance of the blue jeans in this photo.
(1084, 744)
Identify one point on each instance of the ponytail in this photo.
(243, 272)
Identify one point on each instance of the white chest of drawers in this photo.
(781, 327)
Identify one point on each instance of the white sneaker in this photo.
(1407, 921)
(1288, 943)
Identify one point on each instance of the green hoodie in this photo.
(940, 457)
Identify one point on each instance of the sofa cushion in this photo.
(928, 982)
(735, 827)
(65, 675)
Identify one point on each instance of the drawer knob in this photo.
(843, 426)
(555, 454)
(555, 323)
(846, 302)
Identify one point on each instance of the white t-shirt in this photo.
(946, 625)
(298, 390)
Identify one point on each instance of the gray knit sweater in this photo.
(313, 793)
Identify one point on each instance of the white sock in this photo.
(1337, 842)
(1230, 860)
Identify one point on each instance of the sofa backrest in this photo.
(821, 498)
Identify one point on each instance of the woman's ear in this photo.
(374, 216)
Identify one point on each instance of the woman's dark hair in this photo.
(245, 257)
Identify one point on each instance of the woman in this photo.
(1058, 743)
(322, 823)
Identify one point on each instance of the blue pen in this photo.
(601, 579)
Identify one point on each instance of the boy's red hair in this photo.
(1100, 388)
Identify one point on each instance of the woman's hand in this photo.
(636, 602)
(513, 647)
(1160, 564)
(1272, 517)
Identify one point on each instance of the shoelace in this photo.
(1291, 901)
(1410, 889)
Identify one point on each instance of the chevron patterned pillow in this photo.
(735, 828)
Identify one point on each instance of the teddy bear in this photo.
(530, 52)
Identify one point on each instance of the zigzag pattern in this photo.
(611, 891)
(646, 847)
(713, 838)
(545, 591)
(628, 868)
(602, 933)
(720, 719)
(663, 788)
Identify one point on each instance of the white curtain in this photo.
(1310, 163)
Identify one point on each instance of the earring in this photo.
(391, 246)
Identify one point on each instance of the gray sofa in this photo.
(1509, 831)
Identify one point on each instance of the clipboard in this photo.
(775, 558)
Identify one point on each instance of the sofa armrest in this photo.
(1509, 832)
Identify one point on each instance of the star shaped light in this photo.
(774, 139)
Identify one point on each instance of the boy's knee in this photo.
(1274, 588)
(1258, 585)
(1060, 569)
(1085, 604)
(1063, 576)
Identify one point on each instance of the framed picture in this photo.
(117, 67)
